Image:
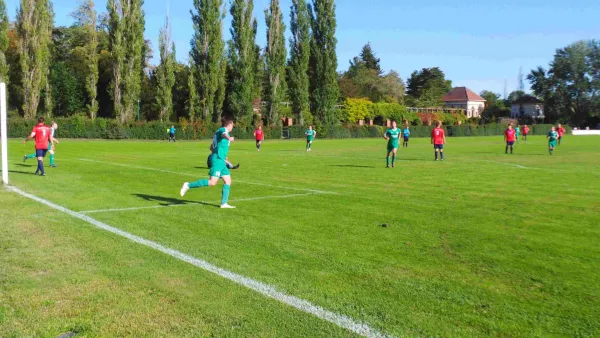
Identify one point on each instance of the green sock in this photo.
(387, 161)
(394, 159)
(225, 196)
(51, 159)
(199, 184)
(30, 156)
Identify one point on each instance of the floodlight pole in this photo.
(3, 131)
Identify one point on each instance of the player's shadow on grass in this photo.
(168, 201)
(21, 172)
(353, 166)
(201, 168)
(24, 165)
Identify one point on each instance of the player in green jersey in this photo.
(392, 136)
(218, 169)
(310, 136)
(552, 138)
(51, 148)
(518, 132)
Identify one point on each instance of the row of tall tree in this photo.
(99, 65)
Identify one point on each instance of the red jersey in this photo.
(42, 136)
(525, 130)
(259, 134)
(561, 131)
(510, 135)
(438, 135)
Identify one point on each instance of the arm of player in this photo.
(229, 138)
(30, 137)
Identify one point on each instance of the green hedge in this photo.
(80, 127)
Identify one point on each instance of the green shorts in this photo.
(552, 144)
(309, 140)
(218, 168)
(391, 147)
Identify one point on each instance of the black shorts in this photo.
(438, 146)
(41, 152)
(405, 138)
(511, 143)
(172, 135)
(258, 141)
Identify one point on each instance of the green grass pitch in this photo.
(482, 244)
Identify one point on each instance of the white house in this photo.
(529, 106)
(464, 98)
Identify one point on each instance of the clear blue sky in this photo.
(476, 44)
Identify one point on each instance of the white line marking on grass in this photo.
(253, 284)
(511, 164)
(193, 203)
(195, 175)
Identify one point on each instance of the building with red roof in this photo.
(464, 98)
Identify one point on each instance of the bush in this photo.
(81, 127)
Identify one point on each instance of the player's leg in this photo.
(559, 139)
(225, 192)
(436, 150)
(394, 157)
(442, 153)
(512, 144)
(387, 158)
(307, 144)
(28, 156)
(506, 149)
(40, 157)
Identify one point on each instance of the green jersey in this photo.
(220, 143)
(393, 135)
(310, 134)
(552, 136)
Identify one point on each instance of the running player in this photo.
(406, 134)
(43, 139)
(438, 139)
(525, 133)
(259, 135)
(51, 149)
(218, 169)
(392, 136)
(517, 132)
(509, 136)
(561, 132)
(552, 137)
(172, 134)
(310, 136)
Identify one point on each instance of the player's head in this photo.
(525, 126)
(309, 127)
(438, 124)
(394, 124)
(227, 123)
(41, 120)
(510, 126)
(553, 128)
(560, 125)
(54, 125)
(259, 127)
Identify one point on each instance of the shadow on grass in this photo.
(353, 166)
(201, 168)
(24, 165)
(21, 172)
(168, 201)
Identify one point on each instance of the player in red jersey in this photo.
(43, 139)
(525, 133)
(561, 132)
(260, 136)
(438, 139)
(510, 136)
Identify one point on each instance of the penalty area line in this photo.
(195, 175)
(195, 203)
(265, 289)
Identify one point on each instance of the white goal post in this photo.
(4, 133)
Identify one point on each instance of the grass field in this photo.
(482, 244)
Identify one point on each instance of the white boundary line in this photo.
(507, 163)
(253, 284)
(192, 203)
(195, 175)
